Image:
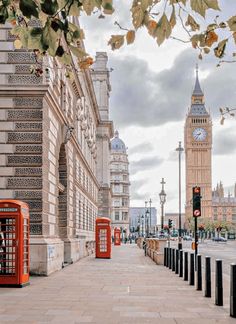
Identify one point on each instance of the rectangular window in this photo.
(117, 216)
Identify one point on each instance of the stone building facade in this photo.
(119, 168)
(224, 207)
(50, 130)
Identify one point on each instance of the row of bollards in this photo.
(177, 261)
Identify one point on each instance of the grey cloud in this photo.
(224, 142)
(145, 98)
(144, 147)
(136, 185)
(145, 164)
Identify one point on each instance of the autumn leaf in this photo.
(130, 37)
(220, 49)
(116, 41)
(200, 6)
(232, 23)
(192, 23)
(173, 18)
(151, 26)
(211, 37)
(137, 15)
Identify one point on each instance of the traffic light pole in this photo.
(196, 242)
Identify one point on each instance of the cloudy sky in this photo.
(151, 93)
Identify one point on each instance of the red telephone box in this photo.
(103, 238)
(14, 243)
(116, 236)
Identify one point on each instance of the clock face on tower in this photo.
(199, 134)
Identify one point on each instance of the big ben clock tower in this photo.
(198, 152)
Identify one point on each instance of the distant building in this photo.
(119, 168)
(224, 208)
(137, 219)
(175, 218)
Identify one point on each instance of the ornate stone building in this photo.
(119, 168)
(198, 152)
(224, 207)
(51, 130)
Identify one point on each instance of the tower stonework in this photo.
(198, 153)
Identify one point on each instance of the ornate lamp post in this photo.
(142, 218)
(162, 196)
(180, 150)
(150, 202)
(146, 219)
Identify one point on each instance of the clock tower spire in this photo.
(198, 152)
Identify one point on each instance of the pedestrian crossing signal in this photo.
(196, 201)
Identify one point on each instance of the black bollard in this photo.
(219, 284)
(181, 263)
(185, 266)
(199, 272)
(173, 259)
(165, 256)
(233, 290)
(207, 276)
(177, 261)
(191, 273)
(170, 258)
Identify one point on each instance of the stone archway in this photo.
(62, 198)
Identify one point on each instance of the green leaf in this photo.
(78, 52)
(50, 38)
(232, 23)
(65, 59)
(163, 30)
(49, 7)
(29, 8)
(3, 14)
(200, 6)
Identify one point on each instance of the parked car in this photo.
(187, 238)
(219, 239)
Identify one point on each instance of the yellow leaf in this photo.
(200, 6)
(232, 23)
(17, 44)
(173, 18)
(137, 15)
(192, 23)
(130, 37)
(116, 41)
(220, 49)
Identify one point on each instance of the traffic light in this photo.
(196, 201)
(170, 223)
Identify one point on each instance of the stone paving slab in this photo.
(129, 288)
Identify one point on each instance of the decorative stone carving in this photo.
(28, 172)
(34, 205)
(24, 183)
(68, 130)
(10, 36)
(21, 57)
(28, 149)
(35, 218)
(36, 229)
(32, 194)
(29, 126)
(24, 114)
(25, 69)
(24, 138)
(27, 102)
(24, 79)
(18, 160)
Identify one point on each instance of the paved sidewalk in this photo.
(129, 288)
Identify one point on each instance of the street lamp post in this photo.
(146, 219)
(142, 217)
(150, 202)
(180, 150)
(162, 196)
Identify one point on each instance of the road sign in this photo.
(196, 213)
